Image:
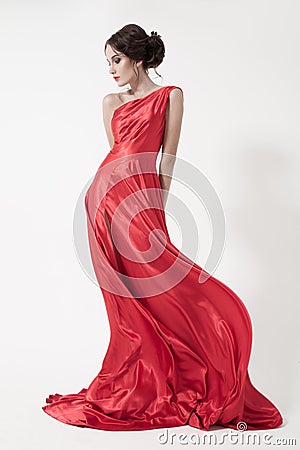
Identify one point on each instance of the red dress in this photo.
(179, 349)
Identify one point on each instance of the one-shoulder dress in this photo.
(179, 349)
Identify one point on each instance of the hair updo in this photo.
(134, 42)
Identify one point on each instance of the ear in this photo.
(139, 63)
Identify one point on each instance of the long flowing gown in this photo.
(179, 349)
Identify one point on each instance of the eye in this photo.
(116, 60)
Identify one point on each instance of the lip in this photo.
(116, 78)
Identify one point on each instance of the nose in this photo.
(111, 69)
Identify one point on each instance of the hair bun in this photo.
(155, 50)
(154, 33)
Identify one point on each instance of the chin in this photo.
(123, 83)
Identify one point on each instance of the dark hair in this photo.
(134, 42)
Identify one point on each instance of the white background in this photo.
(238, 65)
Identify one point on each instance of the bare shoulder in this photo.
(176, 100)
(177, 92)
(176, 95)
(112, 101)
(109, 101)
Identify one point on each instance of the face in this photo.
(121, 67)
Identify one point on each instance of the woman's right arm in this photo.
(108, 105)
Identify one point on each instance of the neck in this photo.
(142, 86)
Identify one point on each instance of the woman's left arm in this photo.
(173, 122)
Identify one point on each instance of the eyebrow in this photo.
(116, 54)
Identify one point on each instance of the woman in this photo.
(179, 350)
